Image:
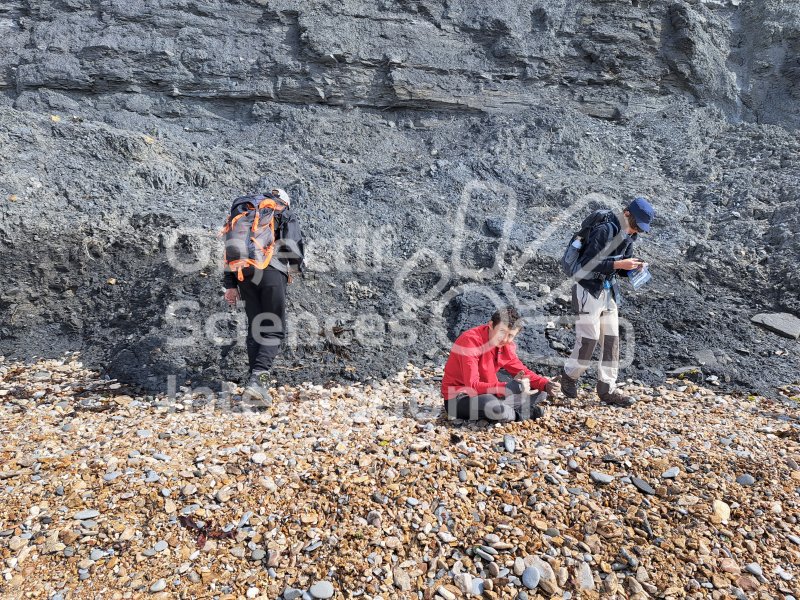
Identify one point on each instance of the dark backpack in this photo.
(250, 233)
(571, 257)
(289, 247)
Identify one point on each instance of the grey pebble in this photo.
(745, 479)
(322, 590)
(671, 473)
(258, 554)
(530, 577)
(510, 444)
(643, 486)
(245, 519)
(159, 586)
(96, 554)
(755, 569)
(585, 579)
(599, 477)
(477, 587)
(484, 555)
(87, 514)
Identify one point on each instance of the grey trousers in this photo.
(598, 320)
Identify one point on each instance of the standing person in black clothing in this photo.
(605, 254)
(264, 245)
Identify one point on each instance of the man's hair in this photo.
(507, 316)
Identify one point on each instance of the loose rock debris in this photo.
(367, 491)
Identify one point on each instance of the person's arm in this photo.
(625, 255)
(229, 280)
(596, 245)
(514, 365)
(232, 292)
(628, 264)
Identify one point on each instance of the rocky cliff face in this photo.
(438, 153)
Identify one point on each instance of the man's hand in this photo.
(553, 388)
(525, 381)
(231, 296)
(629, 264)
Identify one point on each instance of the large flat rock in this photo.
(784, 324)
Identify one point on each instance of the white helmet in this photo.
(282, 195)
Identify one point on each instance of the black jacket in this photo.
(289, 248)
(606, 243)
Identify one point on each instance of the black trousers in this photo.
(264, 298)
(518, 407)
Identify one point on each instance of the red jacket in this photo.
(472, 366)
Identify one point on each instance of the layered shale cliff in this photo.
(439, 154)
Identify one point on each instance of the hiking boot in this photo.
(569, 386)
(256, 392)
(531, 411)
(613, 397)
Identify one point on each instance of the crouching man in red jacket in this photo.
(470, 386)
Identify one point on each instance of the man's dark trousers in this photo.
(264, 298)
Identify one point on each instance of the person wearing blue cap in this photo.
(604, 255)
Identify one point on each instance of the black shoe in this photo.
(569, 386)
(533, 411)
(613, 398)
(256, 392)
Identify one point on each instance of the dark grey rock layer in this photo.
(127, 127)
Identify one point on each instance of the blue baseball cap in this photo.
(643, 212)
